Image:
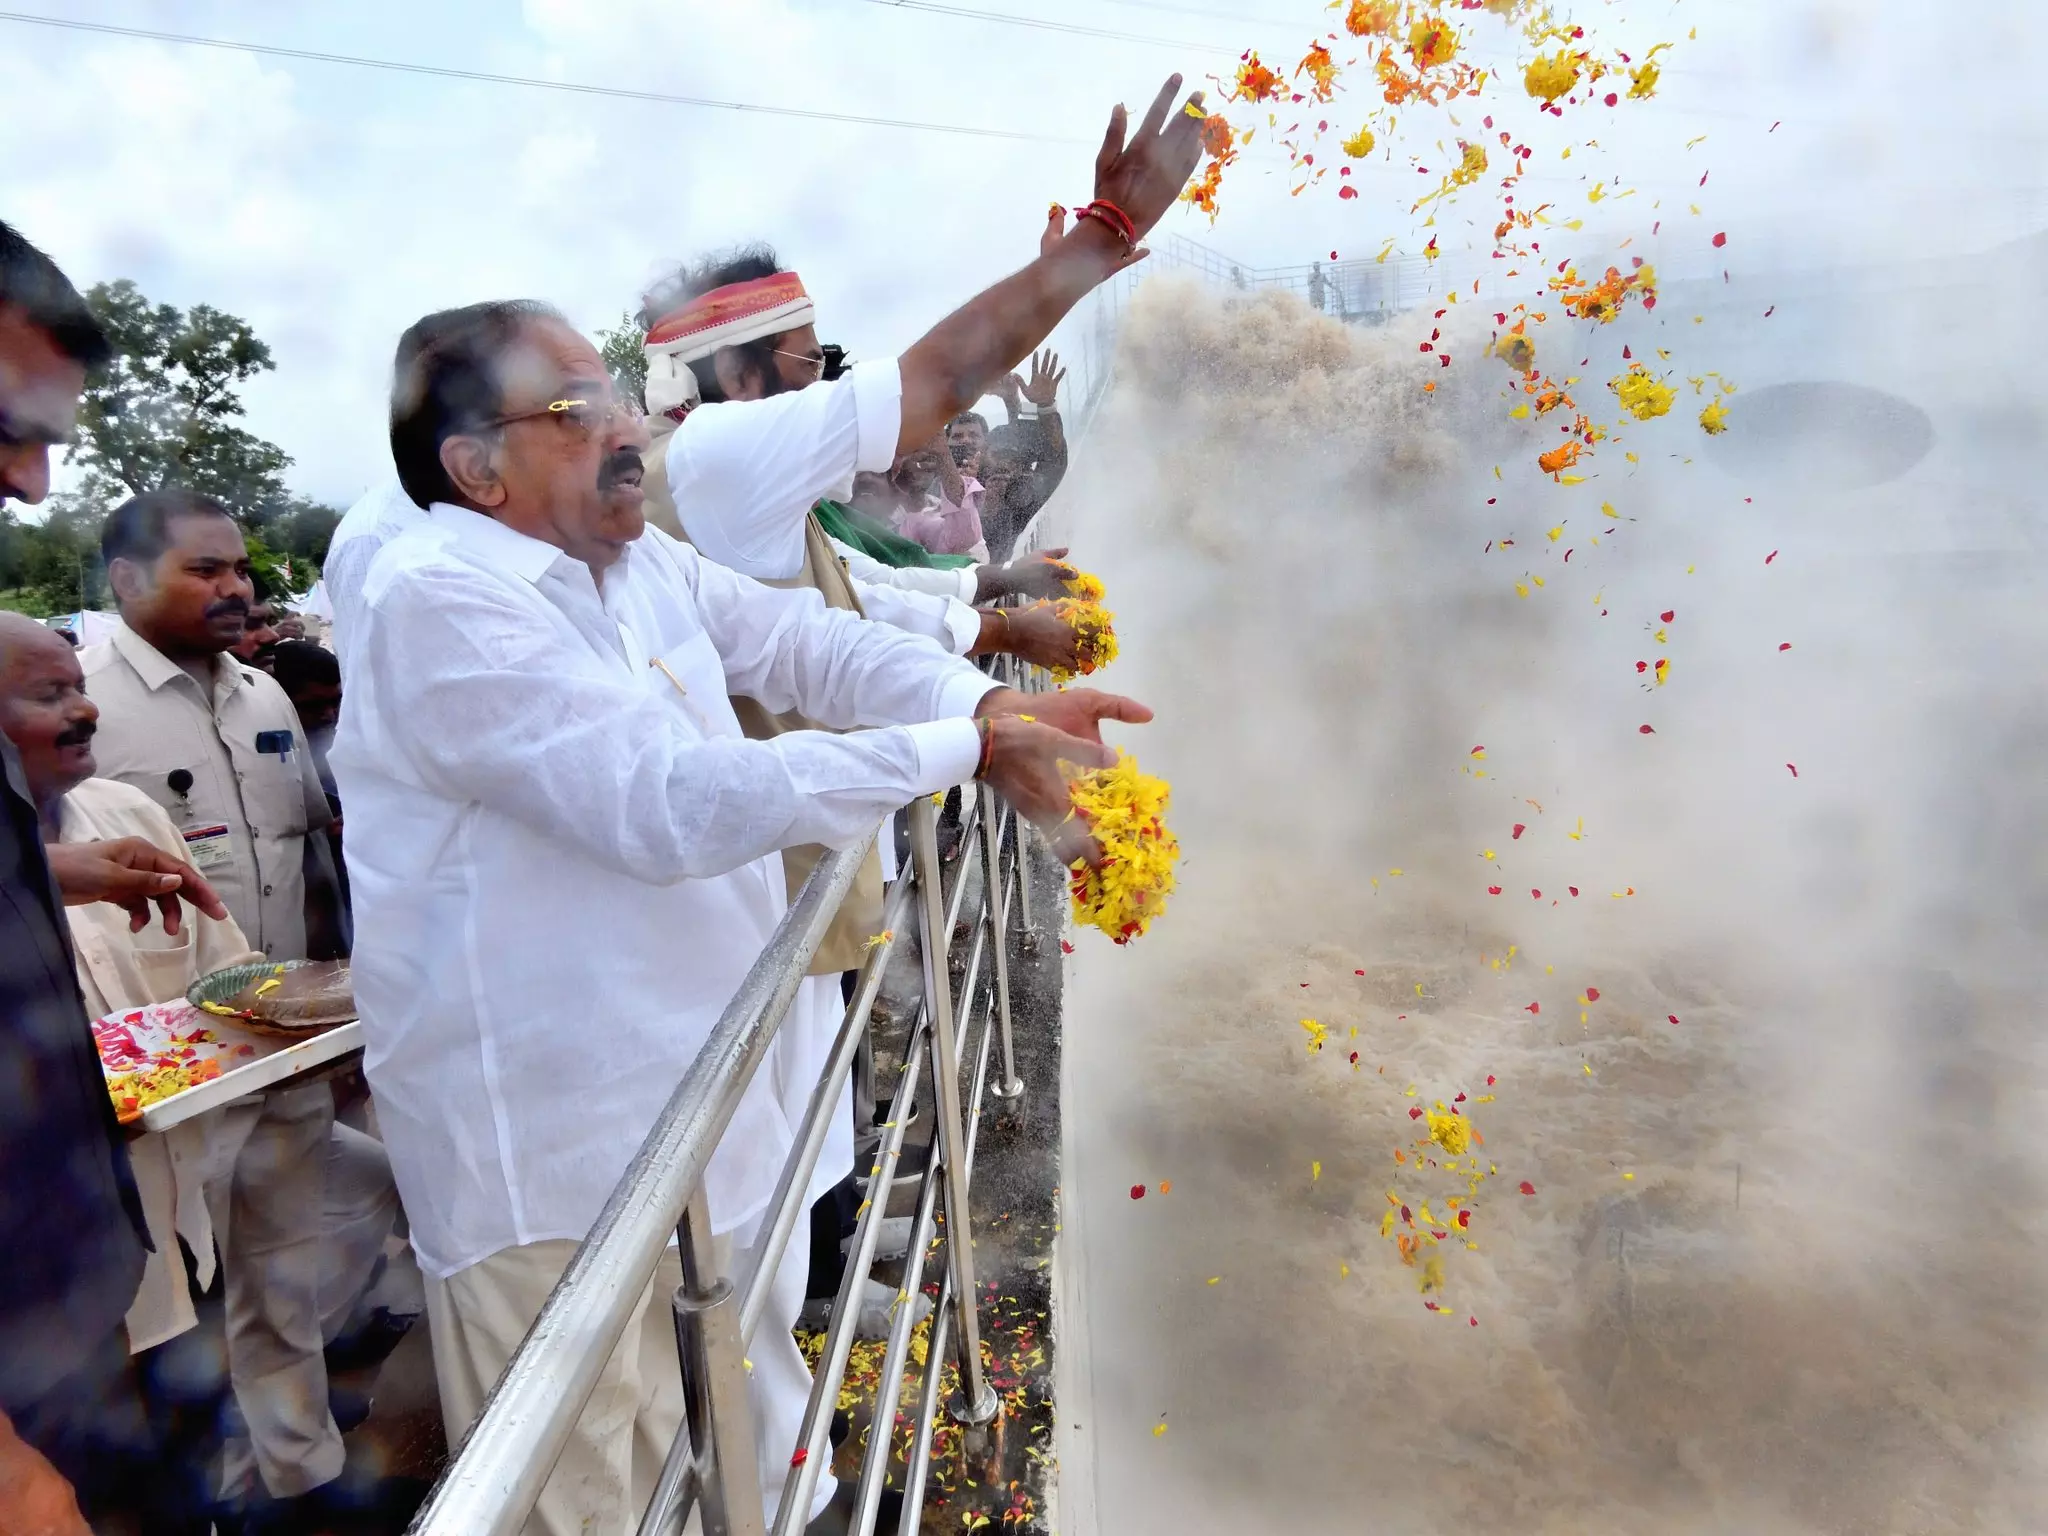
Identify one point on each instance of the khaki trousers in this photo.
(607, 1472)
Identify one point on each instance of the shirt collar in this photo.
(156, 669)
(510, 550)
(494, 543)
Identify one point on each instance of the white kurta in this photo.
(744, 474)
(378, 517)
(564, 859)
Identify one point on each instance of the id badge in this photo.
(209, 847)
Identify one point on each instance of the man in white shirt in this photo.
(771, 436)
(564, 857)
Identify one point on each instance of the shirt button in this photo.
(266, 890)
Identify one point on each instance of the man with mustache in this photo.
(537, 682)
(213, 741)
(219, 748)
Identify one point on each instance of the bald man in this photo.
(299, 1206)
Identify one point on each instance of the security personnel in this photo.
(213, 741)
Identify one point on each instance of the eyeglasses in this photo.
(815, 361)
(588, 416)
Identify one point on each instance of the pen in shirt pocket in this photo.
(662, 667)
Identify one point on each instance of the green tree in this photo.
(621, 349)
(167, 411)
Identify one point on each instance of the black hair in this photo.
(32, 283)
(299, 664)
(140, 528)
(976, 417)
(1008, 439)
(741, 264)
(444, 381)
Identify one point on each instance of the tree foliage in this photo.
(621, 349)
(167, 411)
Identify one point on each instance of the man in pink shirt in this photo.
(941, 505)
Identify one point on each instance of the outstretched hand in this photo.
(1046, 375)
(131, 872)
(1036, 577)
(1144, 176)
(1031, 763)
(1076, 711)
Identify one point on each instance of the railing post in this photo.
(978, 1404)
(721, 1422)
(995, 892)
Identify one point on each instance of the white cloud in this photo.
(332, 206)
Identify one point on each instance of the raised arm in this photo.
(950, 366)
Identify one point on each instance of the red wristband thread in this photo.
(1108, 213)
(988, 747)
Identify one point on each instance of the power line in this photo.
(571, 87)
(1040, 24)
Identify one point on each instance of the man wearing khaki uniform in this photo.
(216, 745)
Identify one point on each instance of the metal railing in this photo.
(494, 1479)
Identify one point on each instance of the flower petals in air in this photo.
(1527, 1188)
(1137, 1191)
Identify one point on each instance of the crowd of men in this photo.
(608, 675)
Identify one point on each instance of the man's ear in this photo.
(129, 579)
(468, 463)
(729, 365)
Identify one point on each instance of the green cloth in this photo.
(878, 541)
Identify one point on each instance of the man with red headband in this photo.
(733, 356)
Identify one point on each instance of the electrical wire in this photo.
(1041, 24)
(571, 87)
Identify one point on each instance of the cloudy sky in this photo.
(332, 204)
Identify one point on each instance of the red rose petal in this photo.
(1066, 948)
(1573, 889)
(1464, 1218)
(1493, 890)
(1720, 240)
(1795, 771)
(1533, 1008)
(1414, 1114)
(1519, 830)
(1489, 1079)
(1137, 1191)
(1672, 1017)
(1644, 730)
(1592, 994)
(1785, 646)
(1668, 615)
(1535, 894)
(1528, 1188)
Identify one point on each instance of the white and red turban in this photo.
(724, 317)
